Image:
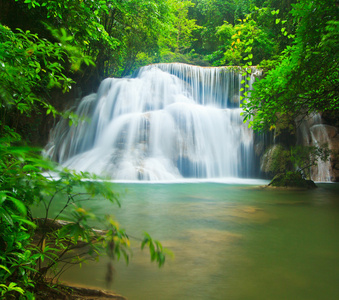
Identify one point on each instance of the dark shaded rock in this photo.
(259, 148)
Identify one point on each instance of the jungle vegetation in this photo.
(50, 48)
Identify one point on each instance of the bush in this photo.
(292, 179)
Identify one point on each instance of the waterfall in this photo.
(167, 122)
(313, 133)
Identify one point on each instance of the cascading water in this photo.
(168, 122)
(313, 133)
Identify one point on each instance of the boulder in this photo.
(273, 160)
(292, 180)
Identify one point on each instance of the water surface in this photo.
(230, 241)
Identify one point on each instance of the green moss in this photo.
(292, 179)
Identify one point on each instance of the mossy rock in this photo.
(292, 179)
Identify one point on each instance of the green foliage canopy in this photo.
(306, 78)
(235, 46)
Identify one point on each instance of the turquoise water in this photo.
(230, 241)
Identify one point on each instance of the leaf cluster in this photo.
(281, 160)
(30, 66)
(305, 79)
(32, 249)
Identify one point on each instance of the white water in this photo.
(313, 133)
(169, 122)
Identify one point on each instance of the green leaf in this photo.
(144, 242)
(19, 205)
(13, 287)
(4, 214)
(5, 268)
(28, 222)
(3, 196)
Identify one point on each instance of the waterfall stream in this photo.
(313, 133)
(168, 122)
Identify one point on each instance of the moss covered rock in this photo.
(275, 160)
(292, 179)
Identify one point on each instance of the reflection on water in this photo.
(229, 242)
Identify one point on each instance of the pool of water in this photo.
(230, 241)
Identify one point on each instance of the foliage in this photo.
(214, 14)
(29, 249)
(173, 42)
(276, 160)
(183, 27)
(292, 179)
(244, 39)
(80, 19)
(210, 14)
(16, 260)
(281, 160)
(156, 250)
(274, 18)
(123, 35)
(140, 30)
(29, 66)
(33, 248)
(305, 157)
(306, 79)
(112, 32)
(117, 37)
